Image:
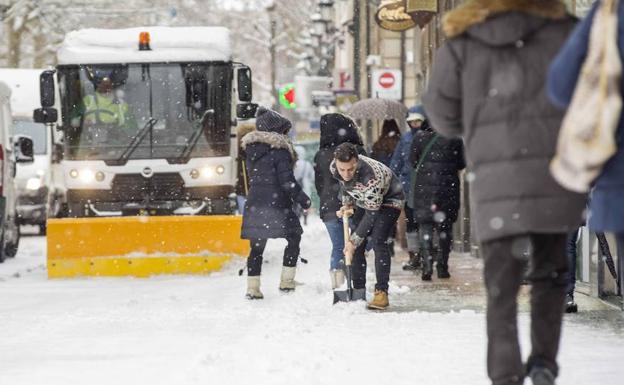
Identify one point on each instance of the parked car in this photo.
(13, 150)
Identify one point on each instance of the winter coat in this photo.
(335, 130)
(373, 186)
(488, 86)
(273, 189)
(384, 147)
(400, 164)
(436, 187)
(607, 203)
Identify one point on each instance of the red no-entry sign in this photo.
(386, 83)
(386, 80)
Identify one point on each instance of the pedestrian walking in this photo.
(304, 175)
(372, 189)
(606, 207)
(401, 166)
(487, 86)
(383, 148)
(335, 130)
(273, 192)
(434, 195)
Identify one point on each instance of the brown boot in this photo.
(380, 301)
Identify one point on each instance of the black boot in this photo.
(427, 268)
(414, 262)
(570, 305)
(443, 272)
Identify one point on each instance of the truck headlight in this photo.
(73, 174)
(194, 174)
(206, 172)
(220, 169)
(99, 176)
(33, 183)
(87, 176)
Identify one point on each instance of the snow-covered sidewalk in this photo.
(201, 330)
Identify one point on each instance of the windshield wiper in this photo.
(134, 143)
(185, 155)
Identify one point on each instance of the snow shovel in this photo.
(350, 294)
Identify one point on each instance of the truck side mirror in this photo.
(243, 76)
(246, 110)
(46, 87)
(23, 149)
(45, 115)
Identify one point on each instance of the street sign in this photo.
(386, 80)
(386, 84)
(343, 81)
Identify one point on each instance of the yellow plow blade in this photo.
(142, 246)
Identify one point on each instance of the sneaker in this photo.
(570, 305)
(380, 300)
(541, 376)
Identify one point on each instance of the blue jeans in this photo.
(240, 202)
(335, 231)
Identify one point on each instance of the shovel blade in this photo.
(349, 295)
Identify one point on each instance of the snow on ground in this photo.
(200, 330)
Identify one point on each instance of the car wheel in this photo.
(10, 249)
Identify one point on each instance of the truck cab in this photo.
(148, 119)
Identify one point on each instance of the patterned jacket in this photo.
(374, 186)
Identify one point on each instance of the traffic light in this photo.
(287, 96)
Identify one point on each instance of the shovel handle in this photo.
(345, 229)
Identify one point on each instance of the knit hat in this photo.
(416, 113)
(270, 121)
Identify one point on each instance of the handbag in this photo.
(587, 137)
(421, 160)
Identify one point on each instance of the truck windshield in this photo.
(105, 106)
(36, 131)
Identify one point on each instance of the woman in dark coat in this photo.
(273, 191)
(335, 130)
(384, 147)
(434, 194)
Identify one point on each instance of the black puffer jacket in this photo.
(436, 186)
(335, 130)
(273, 189)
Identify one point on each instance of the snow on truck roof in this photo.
(103, 46)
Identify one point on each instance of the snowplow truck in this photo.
(148, 120)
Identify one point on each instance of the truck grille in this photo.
(135, 187)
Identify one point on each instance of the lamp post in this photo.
(270, 9)
(320, 41)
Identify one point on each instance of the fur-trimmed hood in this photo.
(517, 17)
(266, 141)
